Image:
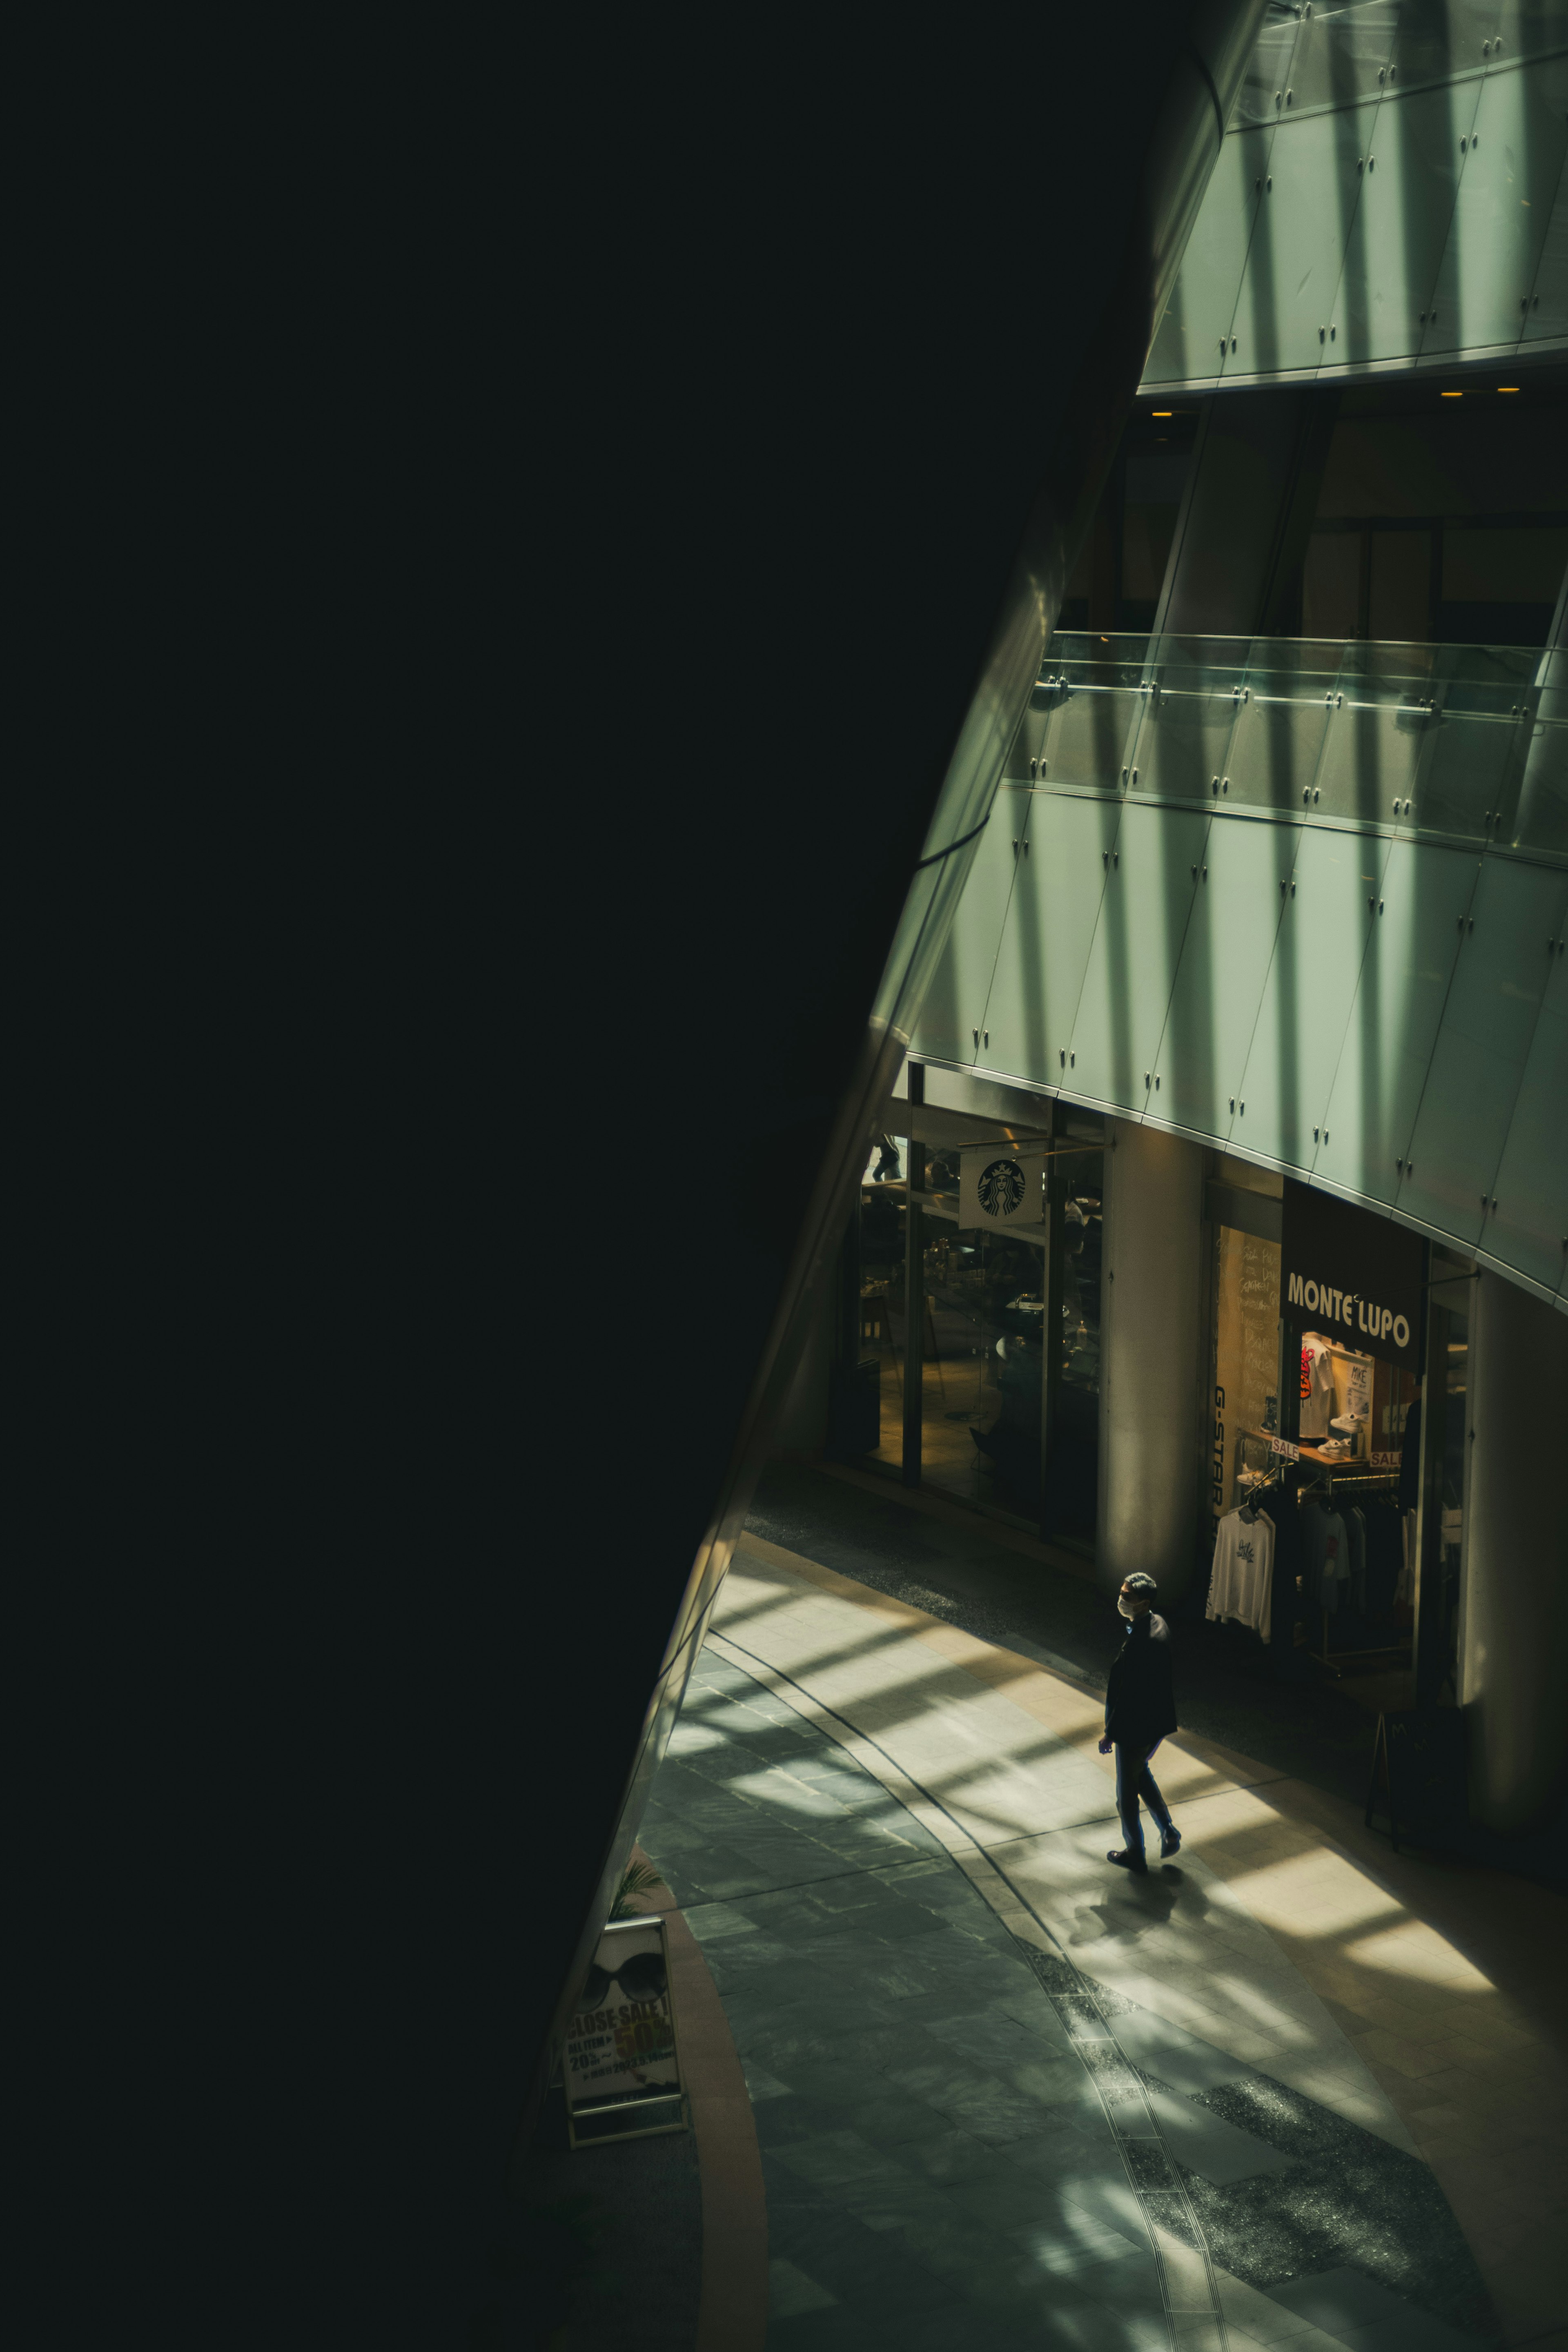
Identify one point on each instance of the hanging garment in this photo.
(1317, 1387)
(1241, 1584)
(1355, 1539)
(1328, 1556)
(1279, 1508)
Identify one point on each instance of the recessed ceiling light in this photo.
(1507, 387)
(1451, 395)
(1162, 411)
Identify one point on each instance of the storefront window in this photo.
(882, 1219)
(1072, 1464)
(985, 1341)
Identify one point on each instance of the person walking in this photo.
(1140, 1709)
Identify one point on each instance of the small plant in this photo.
(637, 1878)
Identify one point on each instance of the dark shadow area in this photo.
(606, 2246)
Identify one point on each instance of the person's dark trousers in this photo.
(1134, 1779)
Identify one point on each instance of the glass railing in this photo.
(1454, 742)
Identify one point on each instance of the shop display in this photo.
(1242, 1585)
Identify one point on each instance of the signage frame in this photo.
(628, 2112)
(1342, 1268)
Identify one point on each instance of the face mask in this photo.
(1125, 1609)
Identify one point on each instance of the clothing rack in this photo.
(1328, 1481)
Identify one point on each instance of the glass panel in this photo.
(1268, 71)
(1375, 738)
(984, 1338)
(1549, 297)
(1071, 1502)
(1438, 740)
(1191, 698)
(882, 1287)
(1483, 1046)
(1341, 54)
(1292, 275)
(1540, 820)
(1509, 176)
(1245, 1311)
(1440, 38)
(1048, 935)
(1287, 697)
(1524, 1229)
(1483, 701)
(1195, 330)
(1090, 686)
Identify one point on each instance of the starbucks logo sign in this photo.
(1001, 1188)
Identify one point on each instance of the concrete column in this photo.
(1152, 1385)
(1515, 1629)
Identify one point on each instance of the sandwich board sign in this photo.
(620, 2064)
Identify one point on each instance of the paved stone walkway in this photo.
(1005, 2096)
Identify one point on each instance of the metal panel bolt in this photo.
(1135, 775)
(1225, 784)
(1206, 874)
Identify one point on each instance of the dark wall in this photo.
(607, 468)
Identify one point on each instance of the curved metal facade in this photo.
(1390, 195)
(1290, 901)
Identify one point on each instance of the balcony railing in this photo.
(1449, 742)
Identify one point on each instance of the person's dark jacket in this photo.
(1139, 1698)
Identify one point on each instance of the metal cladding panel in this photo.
(1306, 999)
(954, 1005)
(1409, 961)
(1483, 1046)
(1199, 320)
(1528, 1228)
(1046, 941)
(1150, 886)
(1220, 979)
(1292, 272)
(1510, 169)
(1408, 186)
(1549, 297)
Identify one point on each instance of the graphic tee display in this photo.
(1317, 1387)
(1241, 1586)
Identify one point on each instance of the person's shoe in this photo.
(1127, 1860)
(1170, 1842)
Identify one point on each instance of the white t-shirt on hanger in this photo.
(1242, 1585)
